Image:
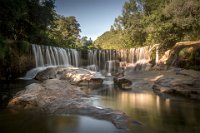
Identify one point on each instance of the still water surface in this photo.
(154, 114)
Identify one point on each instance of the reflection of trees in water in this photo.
(108, 90)
(23, 122)
(64, 123)
(36, 122)
(160, 114)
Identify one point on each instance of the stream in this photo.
(151, 113)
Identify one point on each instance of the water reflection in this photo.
(9, 88)
(81, 124)
(40, 122)
(156, 113)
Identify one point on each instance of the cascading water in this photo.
(139, 54)
(136, 57)
(97, 60)
(55, 56)
(49, 56)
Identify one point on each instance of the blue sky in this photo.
(94, 16)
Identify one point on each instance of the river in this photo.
(152, 113)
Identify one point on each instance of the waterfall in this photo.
(49, 56)
(38, 55)
(109, 67)
(54, 56)
(139, 54)
(99, 58)
(138, 58)
(96, 59)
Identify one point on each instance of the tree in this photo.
(85, 42)
(65, 31)
(25, 19)
(146, 22)
(111, 40)
(185, 15)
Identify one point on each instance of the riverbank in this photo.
(60, 97)
(174, 81)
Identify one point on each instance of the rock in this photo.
(138, 66)
(76, 76)
(164, 58)
(182, 82)
(185, 55)
(191, 73)
(49, 73)
(60, 97)
(123, 83)
(79, 76)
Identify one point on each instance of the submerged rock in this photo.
(60, 97)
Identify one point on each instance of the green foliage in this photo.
(86, 43)
(23, 47)
(111, 40)
(65, 31)
(3, 49)
(164, 22)
(189, 58)
(25, 19)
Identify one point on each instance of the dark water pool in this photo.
(154, 114)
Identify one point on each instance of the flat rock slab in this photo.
(176, 81)
(60, 97)
(183, 82)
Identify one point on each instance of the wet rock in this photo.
(185, 55)
(79, 76)
(123, 83)
(138, 66)
(183, 82)
(60, 97)
(49, 73)
(191, 73)
(76, 76)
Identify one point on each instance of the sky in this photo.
(94, 16)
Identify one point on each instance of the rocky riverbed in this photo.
(60, 97)
(174, 81)
(58, 92)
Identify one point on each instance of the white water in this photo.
(98, 60)
(137, 58)
(48, 56)
(55, 56)
(33, 72)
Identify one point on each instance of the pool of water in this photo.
(152, 113)
(156, 114)
(40, 122)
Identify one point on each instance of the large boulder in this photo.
(185, 55)
(76, 76)
(49, 73)
(80, 76)
(60, 97)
